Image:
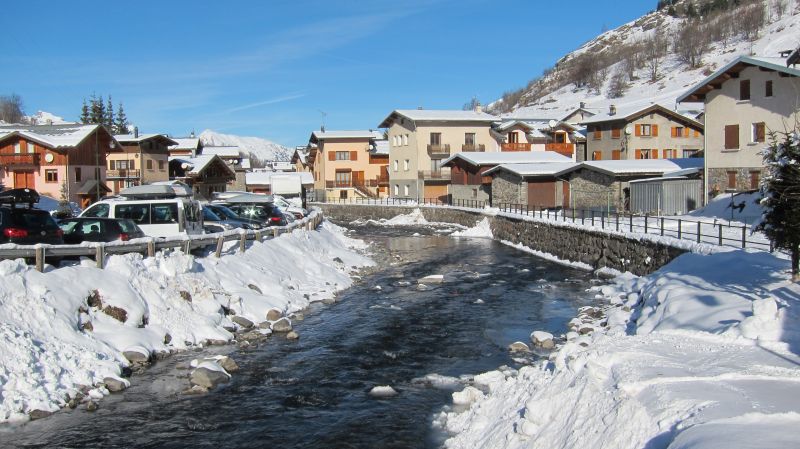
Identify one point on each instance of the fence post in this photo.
(39, 252)
(698, 232)
(719, 239)
(616, 217)
(259, 236)
(744, 236)
(220, 243)
(602, 221)
(592, 218)
(631, 222)
(275, 232)
(662, 226)
(99, 255)
(645, 223)
(242, 241)
(151, 248)
(187, 248)
(679, 228)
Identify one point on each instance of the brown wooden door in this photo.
(23, 179)
(565, 189)
(542, 193)
(358, 178)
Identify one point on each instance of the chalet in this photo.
(185, 146)
(535, 185)
(231, 155)
(300, 158)
(651, 132)
(345, 164)
(538, 135)
(468, 179)
(419, 140)
(578, 115)
(745, 101)
(143, 160)
(57, 158)
(206, 174)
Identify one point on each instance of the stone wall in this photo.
(718, 178)
(594, 248)
(590, 189)
(506, 189)
(470, 192)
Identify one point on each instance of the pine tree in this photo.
(85, 112)
(780, 186)
(121, 121)
(108, 116)
(97, 110)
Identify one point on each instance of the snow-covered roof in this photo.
(185, 143)
(736, 65)
(636, 166)
(245, 163)
(195, 165)
(132, 138)
(438, 115)
(223, 151)
(263, 177)
(511, 157)
(354, 134)
(631, 113)
(532, 170)
(381, 148)
(52, 136)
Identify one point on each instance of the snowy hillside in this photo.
(263, 149)
(779, 32)
(46, 118)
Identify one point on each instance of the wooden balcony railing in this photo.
(382, 179)
(434, 175)
(439, 151)
(123, 174)
(515, 146)
(566, 149)
(473, 147)
(338, 184)
(16, 160)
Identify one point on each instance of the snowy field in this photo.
(57, 336)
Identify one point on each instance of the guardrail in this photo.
(149, 246)
(715, 232)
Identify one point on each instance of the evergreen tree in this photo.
(780, 186)
(85, 117)
(97, 110)
(121, 121)
(108, 117)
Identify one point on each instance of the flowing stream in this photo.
(314, 392)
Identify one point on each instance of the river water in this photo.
(313, 392)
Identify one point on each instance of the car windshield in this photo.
(128, 226)
(98, 210)
(68, 226)
(222, 210)
(31, 219)
(209, 215)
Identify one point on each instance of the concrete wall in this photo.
(596, 249)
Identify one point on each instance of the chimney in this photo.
(583, 105)
(191, 134)
(478, 107)
(612, 110)
(135, 131)
(322, 128)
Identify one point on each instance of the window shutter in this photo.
(638, 130)
(696, 133)
(674, 131)
(638, 152)
(761, 132)
(666, 154)
(354, 155)
(655, 130)
(654, 153)
(615, 155)
(731, 137)
(332, 156)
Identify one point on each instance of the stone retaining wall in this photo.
(596, 249)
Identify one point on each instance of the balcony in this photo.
(382, 180)
(515, 146)
(473, 147)
(338, 184)
(122, 174)
(439, 151)
(30, 160)
(434, 175)
(564, 149)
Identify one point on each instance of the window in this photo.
(691, 153)
(597, 134)
(131, 164)
(149, 164)
(436, 165)
(759, 132)
(111, 165)
(17, 148)
(436, 138)
(645, 154)
(512, 137)
(597, 155)
(469, 139)
(731, 137)
(768, 88)
(164, 213)
(122, 165)
(396, 190)
(161, 165)
(343, 179)
(679, 131)
(647, 130)
(342, 155)
(669, 154)
(732, 180)
(405, 190)
(97, 211)
(405, 139)
(744, 90)
(616, 133)
(77, 174)
(406, 164)
(51, 176)
(395, 165)
(560, 137)
(755, 178)
(140, 213)
(31, 147)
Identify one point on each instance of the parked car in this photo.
(225, 218)
(93, 229)
(22, 224)
(289, 207)
(255, 207)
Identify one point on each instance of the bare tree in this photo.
(655, 49)
(619, 84)
(751, 20)
(691, 43)
(780, 7)
(11, 108)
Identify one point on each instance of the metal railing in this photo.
(149, 246)
(473, 147)
(711, 231)
(122, 173)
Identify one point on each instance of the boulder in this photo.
(39, 414)
(298, 316)
(87, 326)
(282, 325)
(186, 296)
(242, 321)
(254, 288)
(274, 315)
(543, 340)
(91, 406)
(518, 346)
(208, 378)
(115, 385)
(228, 364)
(292, 335)
(117, 313)
(195, 389)
(136, 357)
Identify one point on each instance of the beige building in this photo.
(144, 159)
(520, 134)
(745, 101)
(346, 164)
(652, 132)
(420, 139)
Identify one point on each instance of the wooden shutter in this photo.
(638, 130)
(653, 154)
(597, 155)
(615, 155)
(638, 153)
(731, 179)
(354, 155)
(666, 154)
(696, 133)
(761, 132)
(332, 156)
(731, 137)
(674, 131)
(655, 130)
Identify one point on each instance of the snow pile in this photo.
(46, 118)
(701, 354)
(481, 230)
(262, 149)
(745, 206)
(68, 328)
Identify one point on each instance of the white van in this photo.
(165, 217)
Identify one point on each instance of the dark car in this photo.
(226, 214)
(21, 223)
(266, 213)
(214, 217)
(92, 229)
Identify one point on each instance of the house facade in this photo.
(206, 174)
(745, 101)
(144, 160)
(345, 165)
(652, 132)
(233, 156)
(539, 135)
(57, 158)
(419, 140)
(537, 186)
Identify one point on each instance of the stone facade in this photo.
(590, 189)
(596, 249)
(508, 188)
(718, 179)
(470, 192)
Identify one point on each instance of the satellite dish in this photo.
(48, 157)
(628, 130)
(552, 123)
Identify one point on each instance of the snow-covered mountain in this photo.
(46, 118)
(263, 149)
(556, 94)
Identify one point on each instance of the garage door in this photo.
(437, 192)
(542, 193)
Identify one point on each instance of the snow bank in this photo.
(481, 230)
(741, 207)
(68, 328)
(700, 354)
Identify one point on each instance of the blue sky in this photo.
(270, 68)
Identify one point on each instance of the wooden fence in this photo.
(149, 246)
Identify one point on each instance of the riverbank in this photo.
(74, 331)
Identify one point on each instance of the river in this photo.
(314, 392)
